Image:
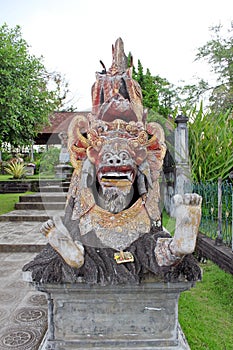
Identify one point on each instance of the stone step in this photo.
(40, 206)
(44, 197)
(15, 190)
(21, 248)
(25, 236)
(30, 215)
(53, 189)
(65, 184)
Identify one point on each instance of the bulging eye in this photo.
(106, 156)
(124, 155)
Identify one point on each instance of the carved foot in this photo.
(187, 211)
(59, 238)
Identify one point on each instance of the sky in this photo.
(73, 35)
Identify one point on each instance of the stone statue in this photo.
(112, 229)
(64, 156)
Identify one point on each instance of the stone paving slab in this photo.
(30, 215)
(23, 310)
(22, 236)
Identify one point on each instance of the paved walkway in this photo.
(21, 236)
(23, 310)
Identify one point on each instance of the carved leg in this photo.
(59, 238)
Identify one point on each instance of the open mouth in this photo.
(110, 176)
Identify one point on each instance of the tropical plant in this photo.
(17, 169)
(210, 145)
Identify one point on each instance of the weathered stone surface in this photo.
(114, 195)
(101, 268)
(23, 311)
(63, 171)
(114, 317)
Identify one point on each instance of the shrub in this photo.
(17, 169)
(48, 160)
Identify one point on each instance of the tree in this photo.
(210, 133)
(219, 54)
(157, 92)
(190, 95)
(25, 100)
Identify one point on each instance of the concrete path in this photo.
(23, 310)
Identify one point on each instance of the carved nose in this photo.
(115, 160)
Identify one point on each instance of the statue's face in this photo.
(120, 160)
(116, 165)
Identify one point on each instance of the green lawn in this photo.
(206, 311)
(33, 177)
(8, 200)
(5, 177)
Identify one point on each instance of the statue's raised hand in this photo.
(187, 211)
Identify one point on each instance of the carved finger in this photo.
(177, 200)
(47, 227)
(187, 198)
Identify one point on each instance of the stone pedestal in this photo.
(63, 171)
(30, 170)
(114, 317)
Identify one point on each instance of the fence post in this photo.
(219, 232)
(183, 174)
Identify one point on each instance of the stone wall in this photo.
(20, 186)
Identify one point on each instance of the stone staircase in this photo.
(40, 206)
(20, 228)
(42, 201)
(60, 187)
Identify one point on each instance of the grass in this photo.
(8, 177)
(8, 200)
(28, 177)
(168, 222)
(5, 177)
(206, 311)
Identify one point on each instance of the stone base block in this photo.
(63, 171)
(128, 317)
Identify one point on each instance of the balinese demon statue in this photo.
(112, 230)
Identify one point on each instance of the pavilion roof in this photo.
(59, 121)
